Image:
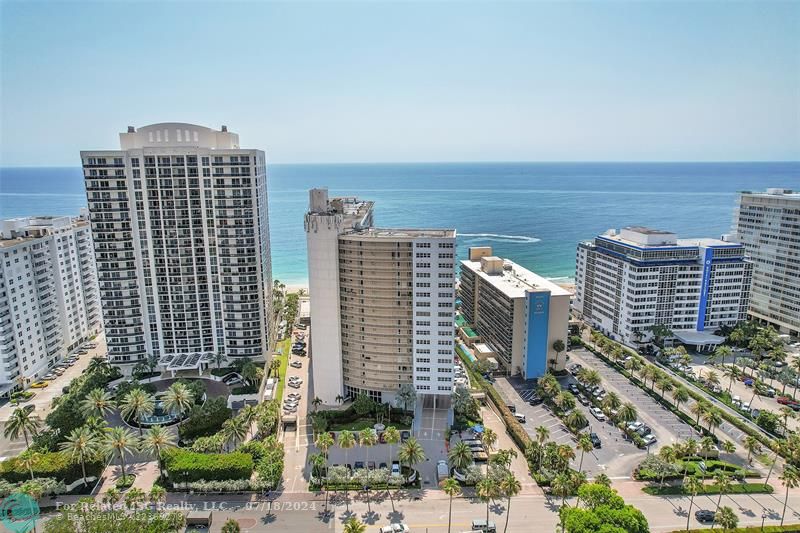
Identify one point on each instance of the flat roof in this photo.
(402, 233)
(694, 337)
(517, 281)
(469, 332)
(648, 231)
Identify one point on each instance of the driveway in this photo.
(298, 439)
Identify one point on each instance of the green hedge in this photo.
(743, 488)
(205, 420)
(57, 465)
(184, 465)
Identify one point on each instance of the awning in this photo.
(185, 361)
(697, 338)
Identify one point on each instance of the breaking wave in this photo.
(499, 237)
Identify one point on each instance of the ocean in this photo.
(532, 213)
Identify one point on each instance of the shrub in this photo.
(183, 465)
(742, 488)
(56, 465)
(245, 389)
(205, 420)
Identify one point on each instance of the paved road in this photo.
(529, 512)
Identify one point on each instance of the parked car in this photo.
(296, 364)
(535, 400)
(294, 385)
(649, 439)
(483, 526)
(644, 430)
(583, 399)
(520, 418)
(573, 388)
(39, 385)
(635, 425)
(395, 468)
(595, 440)
(512, 407)
(598, 414)
(704, 515)
(395, 528)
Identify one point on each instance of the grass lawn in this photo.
(741, 488)
(358, 425)
(285, 346)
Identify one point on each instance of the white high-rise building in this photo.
(49, 299)
(382, 303)
(768, 224)
(628, 281)
(180, 225)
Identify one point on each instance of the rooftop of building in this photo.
(644, 237)
(775, 191)
(512, 279)
(402, 233)
(14, 231)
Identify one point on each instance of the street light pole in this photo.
(763, 518)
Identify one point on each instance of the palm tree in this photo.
(29, 459)
(275, 367)
(218, 358)
(627, 412)
(558, 347)
(252, 373)
(787, 413)
(542, 434)
(98, 403)
(790, 479)
(575, 419)
(323, 443)
(561, 486)
(602, 479)
(723, 483)
(391, 436)
(99, 365)
(346, 441)
(134, 497)
(680, 395)
(460, 456)
(726, 518)
(316, 402)
(354, 525)
(692, 485)
(121, 442)
(157, 494)
(489, 438)
(665, 384)
(156, 440)
(178, 400)
(81, 444)
(584, 445)
(634, 364)
(509, 487)
(565, 455)
(411, 452)
(137, 404)
(698, 408)
(732, 373)
(722, 352)
(112, 496)
(712, 379)
(669, 456)
(451, 487)
(712, 418)
(367, 438)
(234, 430)
(752, 445)
(21, 421)
(486, 489)
(727, 446)
(611, 402)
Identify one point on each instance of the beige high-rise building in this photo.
(768, 225)
(382, 303)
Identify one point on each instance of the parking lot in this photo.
(667, 427)
(616, 458)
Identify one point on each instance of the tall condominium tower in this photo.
(49, 301)
(181, 233)
(768, 224)
(513, 314)
(382, 303)
(629, 281)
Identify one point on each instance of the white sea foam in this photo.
(499, 237)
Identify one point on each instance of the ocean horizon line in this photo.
(496, 162)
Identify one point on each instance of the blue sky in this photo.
(374, 81)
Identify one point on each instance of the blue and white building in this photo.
(628, 281)
(517, 314)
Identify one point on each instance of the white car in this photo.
(296, 364)
(649, 439)
(294, 385)
(395, 528)
(598, 414)
(635, 426)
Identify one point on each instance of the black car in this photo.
(512, 408)
(535, 400)
(704, 515)
(595, 440)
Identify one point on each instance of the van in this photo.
(484, 526)
(520, 418)
(442, 470)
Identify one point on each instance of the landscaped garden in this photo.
(366, 413)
